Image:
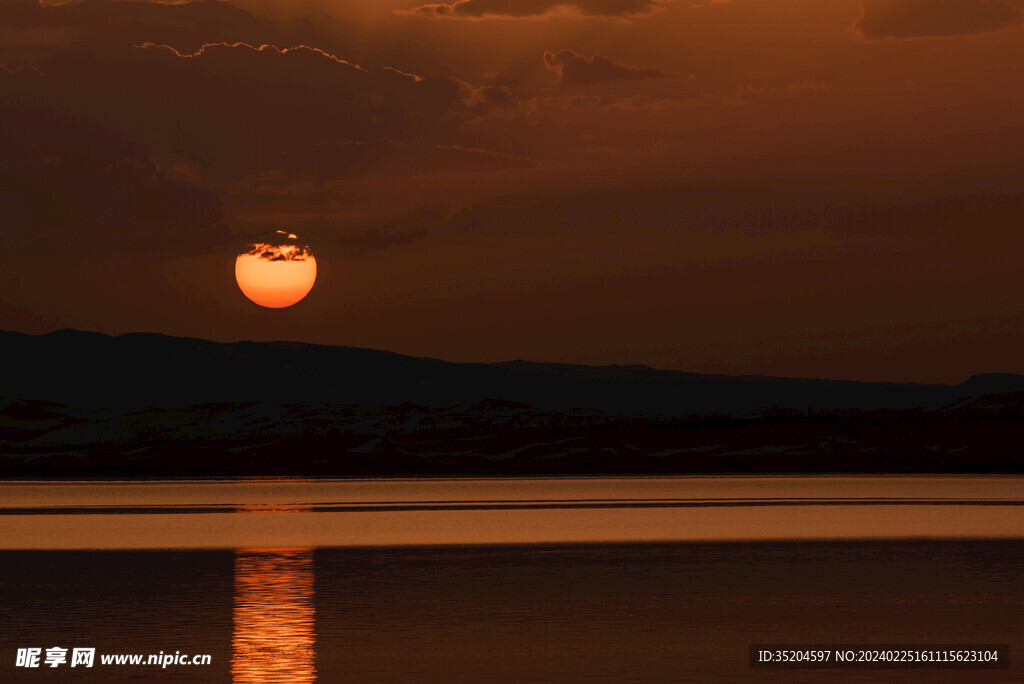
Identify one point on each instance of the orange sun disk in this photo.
(275, 276)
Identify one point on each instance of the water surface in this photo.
(323, 513)
(546, 580)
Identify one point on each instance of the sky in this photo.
(780, 187)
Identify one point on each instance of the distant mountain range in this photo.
(89, 369)
(84, 404)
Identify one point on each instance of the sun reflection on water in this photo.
(274, 634)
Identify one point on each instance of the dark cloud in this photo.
(214, 111)
(19, 14)
(130, 203)
(476, 9)
(356, 158)
(743, 94)
(20, 70)
(934, 18)
(67, 179)
(183, 24)
(234, 109)
(381, 239)
(279, 252)
(153, 146)
(575, 69)
(599, 103)
(701, 212)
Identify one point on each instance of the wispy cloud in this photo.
(742, 94)
(208, 47)
(534, 9)
(934, 18)
(573, 68)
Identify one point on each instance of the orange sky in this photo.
(786, 187)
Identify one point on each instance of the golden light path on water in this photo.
(273, 638)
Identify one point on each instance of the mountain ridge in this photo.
(83, 404)
(88, 368)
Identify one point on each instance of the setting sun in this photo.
(276, 276)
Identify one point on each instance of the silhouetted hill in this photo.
(87, 369)
(84, 404)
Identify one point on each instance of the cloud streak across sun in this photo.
(270, 252)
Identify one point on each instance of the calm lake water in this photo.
(536, 580)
